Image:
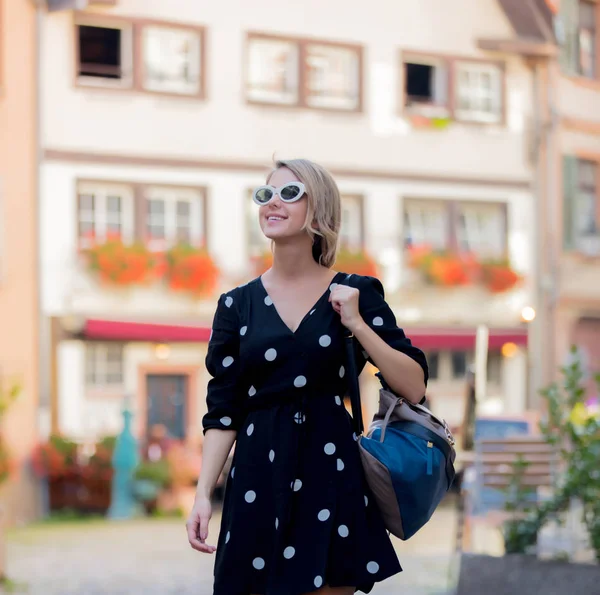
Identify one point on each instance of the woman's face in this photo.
(279, 219)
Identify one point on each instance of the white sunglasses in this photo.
(290, 192)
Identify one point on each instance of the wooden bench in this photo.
(493, 471)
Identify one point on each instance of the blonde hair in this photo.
(324, 213)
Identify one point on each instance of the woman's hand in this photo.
(197, 525)
(344, 300)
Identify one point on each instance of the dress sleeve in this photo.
(225, 407)
(380, 317)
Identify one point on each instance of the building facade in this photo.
(158, 120)
(564, 50)
(19, 333)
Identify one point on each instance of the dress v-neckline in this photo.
(311, 309)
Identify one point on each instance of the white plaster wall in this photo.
(225, 127)
(88, 414)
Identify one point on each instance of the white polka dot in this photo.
(366, 501)
(377, 321)
(323, 515)
(232, 472)
(227, 361)
(342, 371)
(325, 341)
(365, 354)
(338, 401)
(243, 330)
(268, 301)
(329, 448)
(276, 523)
(258, 563)
(227, 537)
(251, 391)
(300, 381)
(228, 301)
(226, 421)
(289, 552)
(250, 496)
(340, 465)
(250, 429)
(343, 531)
(299, 418)
(354, 436)
(270, 354)
(373, 567)
(312, 312)
(296, 485)
(333, 286)
(318, 582)
(271, 455)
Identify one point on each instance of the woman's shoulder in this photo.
(240, 292)
(365, 283)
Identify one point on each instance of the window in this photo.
(174, 215)
(433, 362)
(105, 211)
(440, 87)
(587, 40)
(273, 71)
(351, 230)
(104, 364)
(476, 227)
(426, 223)
(172, 60)
(331, 73)
(426, 85)
(333, 77)
(105, 55)
(480, 229)
(478, 92)
(258, 243)
(459, 364)
(581, 205)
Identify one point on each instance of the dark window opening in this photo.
(100, 52)
(419, 83)
(459, 364)
(433, 363)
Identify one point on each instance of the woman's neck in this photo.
(293, 261)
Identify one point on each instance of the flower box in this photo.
(191, 269)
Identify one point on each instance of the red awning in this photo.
(425, 338)
(115, 330)
(463, 339)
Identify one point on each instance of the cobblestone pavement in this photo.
(152, 557)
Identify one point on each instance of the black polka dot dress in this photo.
(297, 513)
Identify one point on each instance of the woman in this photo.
(298, 517)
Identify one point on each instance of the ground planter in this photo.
(517, 574)
(84, 494)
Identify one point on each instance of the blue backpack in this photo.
(407, 455)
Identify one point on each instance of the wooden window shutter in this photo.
(570, 183)
(568, 35)
(140, 216)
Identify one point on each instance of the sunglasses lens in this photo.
(264, 195)
(290, 192)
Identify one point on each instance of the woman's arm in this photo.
(403, 374)
(215, 450)
(216, 447)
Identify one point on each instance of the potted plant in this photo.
(358, 262)
(117, 263)
(498, 276)
(150, 477)
(191, 269)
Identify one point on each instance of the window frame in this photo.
(360, 199)
(451, 214)
(136, 27)
(302, 45)
(92, 351)
(595, 39)
(452, 64)
(138, 209)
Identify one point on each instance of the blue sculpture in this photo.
(124, 461)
